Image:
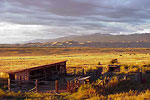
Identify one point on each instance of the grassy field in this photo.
(40, 51)
(18, 58)
(74, 59)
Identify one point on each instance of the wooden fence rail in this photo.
(40, 86)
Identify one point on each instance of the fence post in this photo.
(78, 83)
(36, 85)
(75, 71)
(82, 71)
(126, 77)
(9, 88)
(71, 86)
(140, 77)
(88, 81)
(68, 86)
(20, 79)
(56, 86)
(97, 74)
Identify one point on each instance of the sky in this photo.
(24, 20)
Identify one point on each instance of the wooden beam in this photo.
(45, 75)
(9, 88)
(82, 71)
(75, 71)
(56, 86)
(68, 86)
(36, 85)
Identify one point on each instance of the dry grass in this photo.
(89, 60)
(20, 58)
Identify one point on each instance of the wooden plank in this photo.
(84, 78)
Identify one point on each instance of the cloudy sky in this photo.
(23, 20)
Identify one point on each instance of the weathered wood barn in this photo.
(44, 72)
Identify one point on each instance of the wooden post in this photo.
(141, 69)
(71, 86)
(75, 71)
(68, 86)
(96, 74)
(103, 83)
(45, 74)
(78, 83)
(9, 88)
(56, 86)
(88, 81)
(140, 77)
(104, 69)
(127, 76)
(36, 85)
(20, 81)
(82, 71)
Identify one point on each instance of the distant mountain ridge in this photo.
(94, 40)
(84, 44)
(145, 37)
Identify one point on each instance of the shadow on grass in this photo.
(124, 86)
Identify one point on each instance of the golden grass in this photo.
(20, 58)
(90, 60)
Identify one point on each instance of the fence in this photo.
(47, 86)
(107, 77)
(62, 85)
(69, 85)
(76, 71)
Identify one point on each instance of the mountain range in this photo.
(145, 37)
(94, 40)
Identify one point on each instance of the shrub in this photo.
(113, 61)
(99, 63)
(2, 93)
(84, 92)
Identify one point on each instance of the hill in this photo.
(94, 40)
(99, 38)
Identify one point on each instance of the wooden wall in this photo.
(43, 72)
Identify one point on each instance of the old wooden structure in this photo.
(94, 73)
(113, 68)
(44, 72)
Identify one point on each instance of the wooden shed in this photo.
(44, 72)
(113, 68)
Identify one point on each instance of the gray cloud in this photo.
(69, 17)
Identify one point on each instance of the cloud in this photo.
(33, 19)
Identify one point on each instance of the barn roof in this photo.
(19, 69)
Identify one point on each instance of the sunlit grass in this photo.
(85, 60)
(88, 59)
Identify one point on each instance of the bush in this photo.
(113, 61)
(2, 93)
(84, 92)
(99, 63)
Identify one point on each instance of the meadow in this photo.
(88, 58)
(12, 59)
